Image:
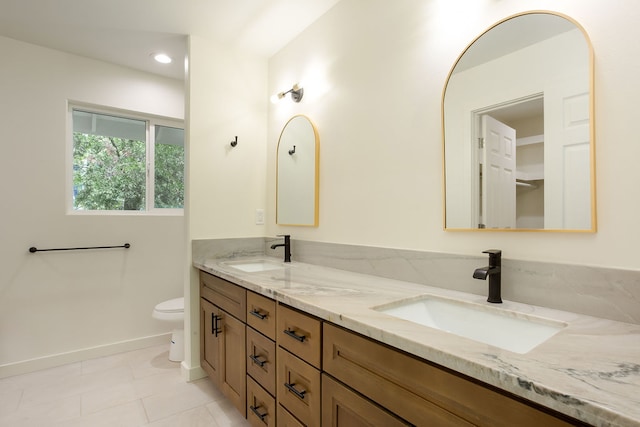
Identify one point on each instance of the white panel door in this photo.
(567, 157)
(499, 174)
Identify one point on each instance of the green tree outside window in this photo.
(110, 172)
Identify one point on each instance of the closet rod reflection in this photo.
(33, 249)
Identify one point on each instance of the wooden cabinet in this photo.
(223, 337)
(342, 407)
(283, 367)
(420, 392)
(299, 338)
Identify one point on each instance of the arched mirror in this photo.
(297, 173)
(518, 128)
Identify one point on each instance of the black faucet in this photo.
(493, 270)
(287, 246)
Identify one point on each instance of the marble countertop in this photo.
(590, 370)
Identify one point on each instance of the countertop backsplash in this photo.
(595, 291)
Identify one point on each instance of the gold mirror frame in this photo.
(592, 183)
(297, 173)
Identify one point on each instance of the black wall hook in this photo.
(292, 151)
(234, 142)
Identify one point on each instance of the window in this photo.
(126, 163)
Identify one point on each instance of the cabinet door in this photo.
(232, 361)
(209, 342)
(342, 407)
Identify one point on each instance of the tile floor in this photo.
(137, 388)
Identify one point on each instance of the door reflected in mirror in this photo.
(297, 173)
(518, 128)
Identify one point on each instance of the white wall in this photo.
(374, 73)
(227, 97)
(61, 306)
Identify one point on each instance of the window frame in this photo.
(151, 121)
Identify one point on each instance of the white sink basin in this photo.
(509, 330)
(255, 266)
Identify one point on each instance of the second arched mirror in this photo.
(518, 128)
(297, 173)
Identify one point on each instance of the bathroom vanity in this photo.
(318, 350)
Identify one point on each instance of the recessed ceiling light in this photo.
(162, 58)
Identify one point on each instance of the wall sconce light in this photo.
(296, 94)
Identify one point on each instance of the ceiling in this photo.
(127, 32)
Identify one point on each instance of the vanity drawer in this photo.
(261, 360)
(229, 297)
(417, 390)
(301, 334)
(299, 388)
(261, 314)
(342, 407)
(285, 419)
(261, 406)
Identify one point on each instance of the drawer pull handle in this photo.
(293, 390)
(258, 314)
(213, 323)
(254, 409)
(257, 361)
(215, 328)
(293, 335)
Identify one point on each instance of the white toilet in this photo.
(173, 311)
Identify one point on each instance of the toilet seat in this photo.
(171, 310)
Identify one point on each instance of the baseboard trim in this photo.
(60, 359)
(192, 373)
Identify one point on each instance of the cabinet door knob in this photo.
(295, 336)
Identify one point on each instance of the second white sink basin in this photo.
(255, 266)
(509, 330)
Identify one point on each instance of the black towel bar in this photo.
(33, 249)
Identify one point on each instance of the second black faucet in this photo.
(494, 272)
(287, 246)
